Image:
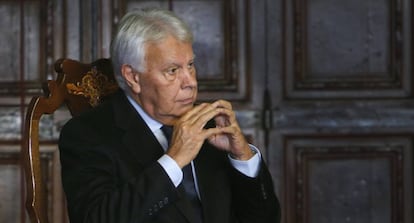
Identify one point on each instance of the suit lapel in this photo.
(137, 137)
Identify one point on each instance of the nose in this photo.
(189, 79)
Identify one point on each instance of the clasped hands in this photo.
(189, 133)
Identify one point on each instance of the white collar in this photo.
(153, 124)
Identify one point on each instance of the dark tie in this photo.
(188, 179)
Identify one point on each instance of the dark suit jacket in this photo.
(110, 173)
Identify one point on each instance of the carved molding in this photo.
(351, 50)
(94, 86)
(371, 166)
(37, 31)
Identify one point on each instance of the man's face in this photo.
(168, 86)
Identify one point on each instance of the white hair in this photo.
(138, 28)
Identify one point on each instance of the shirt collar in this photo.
(153, 124)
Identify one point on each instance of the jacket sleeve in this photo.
(254, 198)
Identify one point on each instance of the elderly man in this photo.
(149, 154)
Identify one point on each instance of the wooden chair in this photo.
(80, 87)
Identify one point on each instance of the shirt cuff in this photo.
(249, 167)
(171, 168)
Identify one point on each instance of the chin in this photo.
(187, 107)
(183, 109)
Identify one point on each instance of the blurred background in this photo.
(323, 88)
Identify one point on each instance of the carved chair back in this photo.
(80, 87)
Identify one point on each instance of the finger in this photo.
(193, 111)
(203, 117)
(225, 118)
(230, 130)
(222, 104)
(205, 111)
(188, 120)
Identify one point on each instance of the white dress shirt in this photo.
(249, 167)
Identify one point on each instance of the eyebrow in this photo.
(168, 64)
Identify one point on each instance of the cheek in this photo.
(161, 94)
(167, 94)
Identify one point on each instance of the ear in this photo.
(131, 77)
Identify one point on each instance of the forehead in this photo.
(169, 50)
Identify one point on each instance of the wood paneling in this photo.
(348, 179)
(12, 185)
(343, 125)
(340, 123)
(348, 49)
(32, 30)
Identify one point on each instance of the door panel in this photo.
(347, 49)
(343, 123)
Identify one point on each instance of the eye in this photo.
(172, 70)
(190, 66)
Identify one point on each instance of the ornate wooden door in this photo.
(343, 111)
(322, 87)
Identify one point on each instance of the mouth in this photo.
(186, 101)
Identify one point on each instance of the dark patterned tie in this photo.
(188, 179)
